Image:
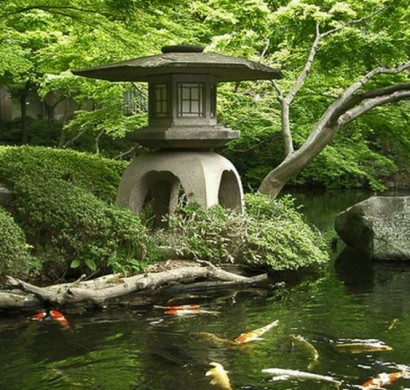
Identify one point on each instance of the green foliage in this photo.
(15, 258)
(97, 175)
(348, 163)
(271, 233)
(69, 226)
(42, 42)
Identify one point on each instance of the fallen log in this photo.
(99, 291)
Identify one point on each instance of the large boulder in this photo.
(379, 227)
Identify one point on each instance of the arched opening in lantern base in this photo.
(203, 177)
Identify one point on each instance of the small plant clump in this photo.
(270, 233)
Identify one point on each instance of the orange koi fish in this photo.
(254, 334)
(59, 317)
(219, 376)
(382, 379)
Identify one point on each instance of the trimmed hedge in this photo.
(69, 225)
(15, 259)
(96, 174)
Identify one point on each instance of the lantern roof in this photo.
(183, 59)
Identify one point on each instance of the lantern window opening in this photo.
(213, 101)
(190, 100)
(161, 100)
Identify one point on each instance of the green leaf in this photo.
(75, 263)
(91, 264)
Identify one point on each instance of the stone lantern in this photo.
(182, 128)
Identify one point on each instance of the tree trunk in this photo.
(23, 111)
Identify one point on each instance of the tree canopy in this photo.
(322, 48)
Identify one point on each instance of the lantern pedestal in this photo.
(206, 178)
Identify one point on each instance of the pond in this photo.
(145, 348)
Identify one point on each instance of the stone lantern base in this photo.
(203, 177)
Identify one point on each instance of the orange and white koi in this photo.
(382, 380)
(179, 307)
(58, 316)
(253, 335)
(183, 312)
(39, 316)
(51, 314)
(219, 376)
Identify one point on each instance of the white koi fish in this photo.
(284, 374)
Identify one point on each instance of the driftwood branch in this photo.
(97, 292)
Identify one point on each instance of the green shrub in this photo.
(15, 259)
(97, 175)
(271, 233)
(69, 225)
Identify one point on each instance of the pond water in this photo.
(142, 347)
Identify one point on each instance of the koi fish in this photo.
(363, 347)
(58, 316)
(253, 335)
(39, 316)
(51, 314)
(305, 345)
(178, 307)
(382, 379)
(183, 312)
(219, 376)
(215, 339)
(393, 324)
(283, 374)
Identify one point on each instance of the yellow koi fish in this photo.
(382, 379)
(219, 376)
(305, 345)
(363, 347)
(393, 324)
(253, 335)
